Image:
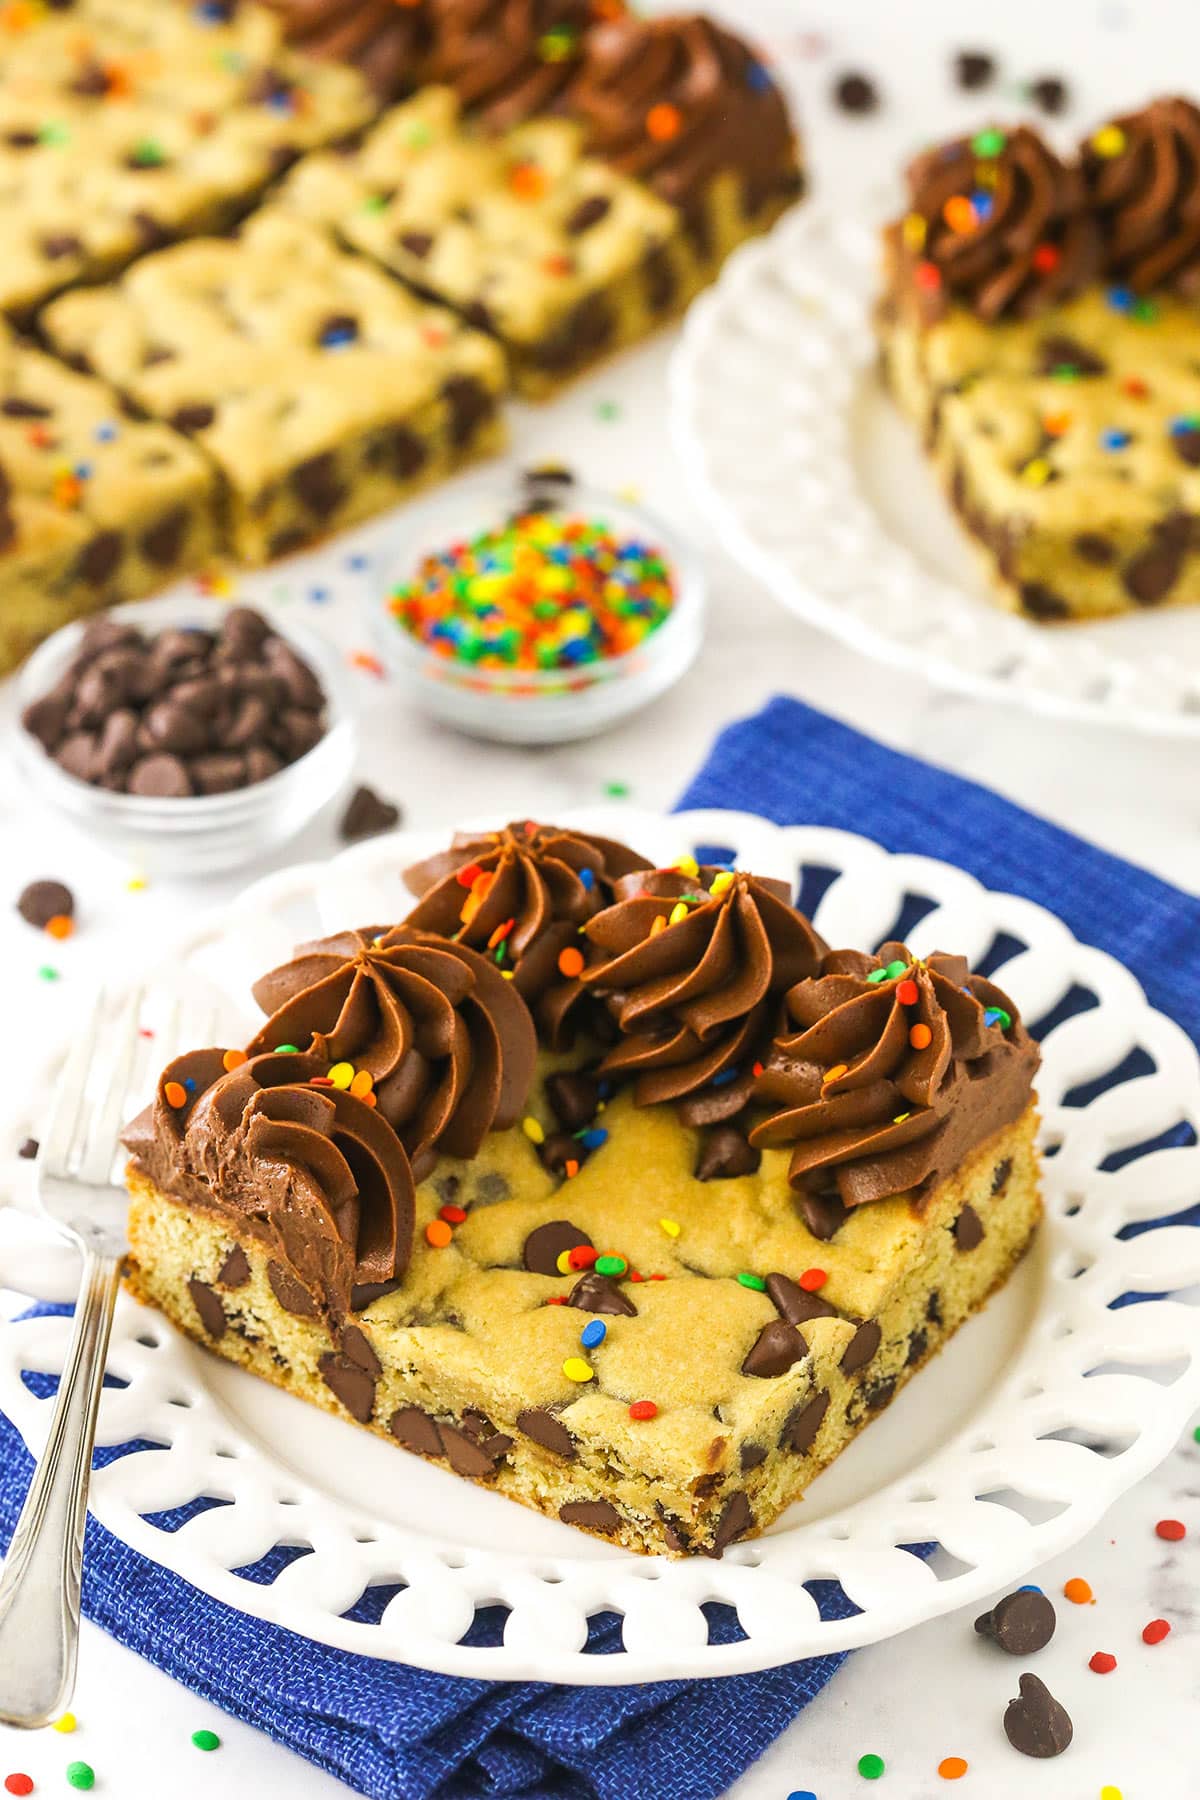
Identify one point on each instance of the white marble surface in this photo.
(939, 1691)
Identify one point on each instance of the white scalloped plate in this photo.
(1005, 1450)
(816, 483)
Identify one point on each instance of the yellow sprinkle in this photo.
(670, 1226)
(679, 912)
(563, 1262)
(508, 974)
(1036, 472)
(630, 493)
(1108, 141)
(721, 882)
(913, 231)
(986, 175)
(1109, 1792)
(687, 865)
(135, 885)
(575, 1369)
(532, 1129)
(900, 1118)
(342, 1074)
(68, 1722)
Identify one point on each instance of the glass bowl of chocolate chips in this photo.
(187, 734)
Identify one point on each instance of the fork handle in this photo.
(40, 1585)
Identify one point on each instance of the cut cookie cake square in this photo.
(611, 1187)
(1038, 323)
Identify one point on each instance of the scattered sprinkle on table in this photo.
(68, 1722)
(870, 1766)
(1109, 1792)
(1155, 1631)
(1078, 1590)
(1102, 1663)
(802, 1794)
(1171, 1529)
(544, 591)
(18, 1784)
(81, 1775)
(952, 1768)
(621, 790)
(206, 1740)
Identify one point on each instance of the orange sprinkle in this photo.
(571, 1168)
(1054, 424)
(1079, 1591)
(233, 1059)
(570, 962)
(952, 1768)
(836, 1073)
(658, 924)
(920, 1037)
(501, 932)
(959, 214)
(175, 1094)
(527, 181)
(438, 1233)
(361, 1083)
(368, 1099)
(663, 122)
(60, 926)
(1135, 387)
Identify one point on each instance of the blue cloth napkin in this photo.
(397, 1733)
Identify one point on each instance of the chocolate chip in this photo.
(968, 1229)
(220, 772)
(161, 542)
(1058, 351)
(350, 1384)
(57, 244)
(364, 1292)
(559, 1150)
(1049, 92)
(416, 1431)
(573, 1097)
(877, 1394)
(235, 1270)
(862, 1346)
(404, 452)
(777, 1346)
(1152, 574)
(674, 1535)
(658, 275)
(208, 1305)
(802, 1424)
(823, 1214)
(318, 485)
(1002, 1172)
(359, 1348)
(589, 212)
(196, 417)
(1020, 1623)
(467, 1457)
(726, 1152)
(477, 313)
(44, 719)
(600, 1294)
(796, 1304)
(42, 901)
(417, 243)
(973, 69)
(592, 1515)
(546, 1430)
(856, 93)
(751, 1456)
(28, 1150)
(735, 1521)
(918, 1343)
(16, 408)
(303, 688)
(1041, 602)
(76, 754)
(366, 815)
(291, 1294)
(933, 1307)
(546, 1243)
(98, 559)
(159, 777)
(1186, 445)
(1036, 1724)
(1095, 549)
(470, 404)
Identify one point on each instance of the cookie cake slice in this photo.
(609, 1187)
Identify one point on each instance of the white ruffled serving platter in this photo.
(817, 484)
(1004, 1451)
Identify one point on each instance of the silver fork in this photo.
(40, 1585)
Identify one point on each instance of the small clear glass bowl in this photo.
(536, 706)
(203, 833)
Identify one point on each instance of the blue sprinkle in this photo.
(593, 1137)
(84, 471)
(1030, 1587)
(1122, 299)
(104, 434)
(593, 1333)
(991, 1016)
(605, 1089)
(724, 1078)
(802, 1794)
(758, 79)
(982, 203)
(1186, 422)
(190, 1085)
(587, 879)
(1114, 439)
(337, 337)
(318, 594)
(358, 563)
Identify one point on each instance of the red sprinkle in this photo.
(1155, 1631)
(1171, 1529)
(635, 1276)
(812, 1279)
(1102, 1663)
(928, 276)
(557, 1300)
(582, 1256)
(453, 1215)
(643, 1409)
(907, 993)
(467, 876)
(658, 1278)
(1046, 258)
(18, 1784)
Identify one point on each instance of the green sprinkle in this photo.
(870, 1766)
(375, 203)
(611, 1265)
(53, 133)
(894, 970)
(617, 790)
(1065, 372)
(81, 1775)
(148, 154)
(1145, 310)
(1196, 1434)
(608, 410)
(206, 1740)
(286, 1050)
(986, 143)
(877, 975)
(48, 973)
(752, 1281)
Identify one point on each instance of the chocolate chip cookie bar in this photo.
(321, 391)
(639, 1236)
(1038, 326)
(126, 125)
(95, 507)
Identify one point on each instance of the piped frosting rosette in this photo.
(1142, 174)
(695, 963)
(506, 59)
(893, 1070)
(995, 223)
(385, 39)
(311, 1170)
(428, 1031)
(520, 897)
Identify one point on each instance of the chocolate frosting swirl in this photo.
(889, 1080)
(385, 39)
(1142, 174)
(448, 1043)
(675, 100)
(507, 59)
(312, 1171)
(696, 999)
(540, 884)
(996, 223)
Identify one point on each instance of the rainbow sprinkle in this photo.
(544, 591)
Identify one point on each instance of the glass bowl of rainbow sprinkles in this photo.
(537, 611)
